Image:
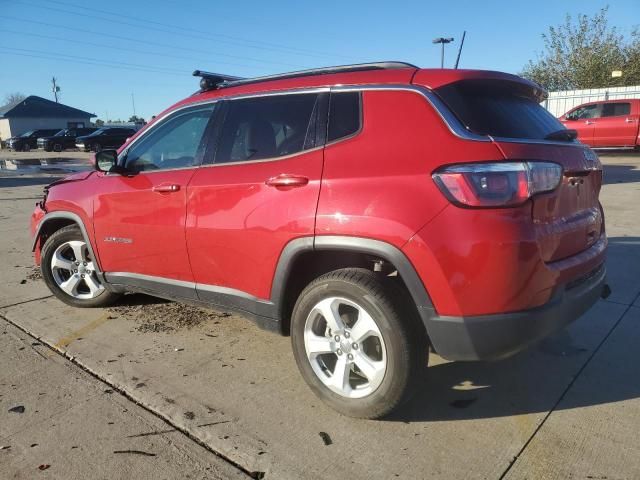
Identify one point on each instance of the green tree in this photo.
(99, 123)
(582, 53)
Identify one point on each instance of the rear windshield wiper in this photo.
(565, 135)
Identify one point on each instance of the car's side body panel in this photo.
(604, 130)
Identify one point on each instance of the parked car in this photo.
(63, 139)
(106, 137)
(29, 140)
(371, 211)
(612, 123)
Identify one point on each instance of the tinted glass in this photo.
(616, 109)
(344, 115)
(499, 109)
(27, 134)
(266, 127)
(174, 143)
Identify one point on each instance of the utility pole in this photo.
(133, 104)
(442, 41)
(464, 34)
(55, 88)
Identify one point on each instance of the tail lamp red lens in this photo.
(500, 184)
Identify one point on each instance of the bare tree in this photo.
(14, 97)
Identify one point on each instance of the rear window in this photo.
(499, 109)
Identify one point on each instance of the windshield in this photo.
(61, 133)
(28, 134)
(499, 109)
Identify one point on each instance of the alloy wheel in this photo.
(345, 347)
(74, 272)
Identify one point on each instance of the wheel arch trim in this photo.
(75, 218)
(369, 246)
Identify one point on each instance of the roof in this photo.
(34, 106)
(380, 73)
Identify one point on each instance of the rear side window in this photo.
(344, 115)
(616, 109)
(499, 109)
(267, 127)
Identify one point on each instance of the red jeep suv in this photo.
(370, 211)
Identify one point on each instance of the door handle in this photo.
(629, 120)
(166, 188)
(285, 180)
(587, 122)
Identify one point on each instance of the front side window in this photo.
(588, 111)
(616, 109)
(177, 142)
(267, 127)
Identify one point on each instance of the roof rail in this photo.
(213, 80)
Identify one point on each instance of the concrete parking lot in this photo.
(153, 389)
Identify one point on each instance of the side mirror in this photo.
(106, 160)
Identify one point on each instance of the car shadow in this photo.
(536, 380)
(25, 181)
(621, 173)
(138, 299)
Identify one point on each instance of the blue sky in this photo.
(102, 52)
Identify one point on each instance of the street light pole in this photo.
(442, 41)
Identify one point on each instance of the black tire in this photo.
(57, 147)
(67, 234)
(403, 335)
(26, 147)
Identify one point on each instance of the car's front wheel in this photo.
(70, 272)
(356, 346)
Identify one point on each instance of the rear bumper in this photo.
(490, 337)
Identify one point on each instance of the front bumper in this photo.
(490, 337)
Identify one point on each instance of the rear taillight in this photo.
(503, 184)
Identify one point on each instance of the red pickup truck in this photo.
(606, 124)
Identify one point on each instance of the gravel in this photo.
(163, 316)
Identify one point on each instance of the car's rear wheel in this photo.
(70, 272)
(57, 147)
(355, 345)
(26, 147)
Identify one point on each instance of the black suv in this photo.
(29, 140)
(107, 137)
(63, 139)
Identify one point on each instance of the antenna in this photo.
(133, 104)
(464, 34)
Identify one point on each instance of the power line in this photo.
(119, 16)
(88, 61)
(137, 40)
(162, 30)
(127, 49)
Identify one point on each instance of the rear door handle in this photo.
(629, 120)
(166, 188)
(285, 180)
(587, 122)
